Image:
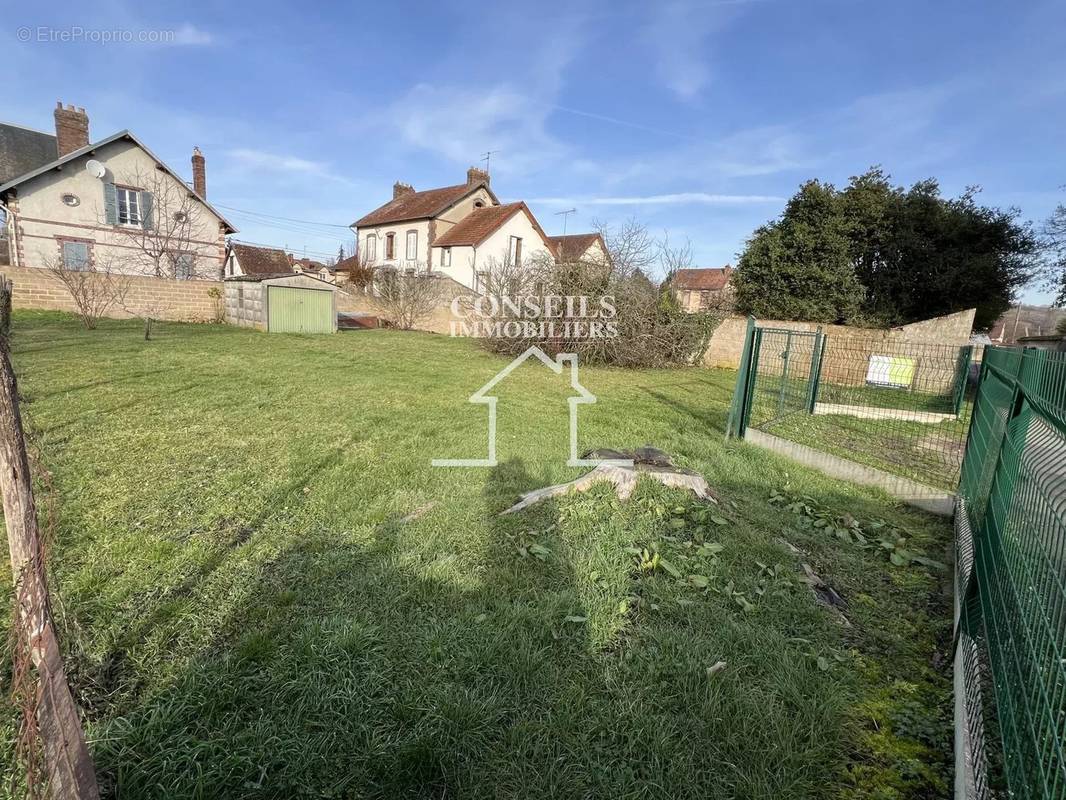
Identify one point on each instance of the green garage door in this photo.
(299, 310)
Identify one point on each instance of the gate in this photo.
(867, 403)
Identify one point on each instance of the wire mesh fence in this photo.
(900, 407)
(1014, 491)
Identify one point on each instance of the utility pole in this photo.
(566, 215)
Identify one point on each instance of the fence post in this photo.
(753, 376)
(815, 376)
(963, 377)
(734, 422)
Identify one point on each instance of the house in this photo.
(703, 289)
(459, 231)
(579, 247)
(253, 259)
(110, 204)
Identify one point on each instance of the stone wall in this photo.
(353, 300)
(953, 329)
(244, 304)
(185, 301)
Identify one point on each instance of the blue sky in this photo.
(697, 118)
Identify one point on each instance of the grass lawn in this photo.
(266, 591)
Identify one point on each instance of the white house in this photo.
(80, 204)
(457, 231)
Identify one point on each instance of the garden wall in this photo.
(185, 301)
(353, 300)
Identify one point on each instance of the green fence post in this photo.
(749, 398)
(734, 422)
(963, 377)
(785, 357)
(815, 376)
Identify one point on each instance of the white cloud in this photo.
(263, 161)
(679, 198)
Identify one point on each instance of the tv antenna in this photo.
(566, 215)
(487, 156)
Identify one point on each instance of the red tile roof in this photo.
(419, 205)
(702, 279)
(575, 245)
(480, 224)
(261, 260)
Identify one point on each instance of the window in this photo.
(446, 257)
(514, 250)
(183, 266)
(76, 256)
(129, 206)
(371, 248)
(479, 204)
(390, 246)
(412, 245)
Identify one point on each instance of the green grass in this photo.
(250, 613)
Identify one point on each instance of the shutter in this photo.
(144, 200)
(110, 204)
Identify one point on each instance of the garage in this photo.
(288, 303)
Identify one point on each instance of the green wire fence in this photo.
(1011, 574)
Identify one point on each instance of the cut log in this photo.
(647, 461)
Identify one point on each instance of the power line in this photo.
(286, 219)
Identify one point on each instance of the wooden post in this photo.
(69, 768)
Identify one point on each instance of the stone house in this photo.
(457, 231)
(106, 204)
(706, 289)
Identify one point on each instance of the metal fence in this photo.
(1011, 625)
(895, 406)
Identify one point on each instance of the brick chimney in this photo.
(199, 173)
(72, 129)
(399, 189)
(474, 176)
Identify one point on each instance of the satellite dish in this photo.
(95, 168)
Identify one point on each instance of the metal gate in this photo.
(299, 310)
(897, 407)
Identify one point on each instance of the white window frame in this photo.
(128, 200)
(371, 248)
(514, 250)
(445, 256)
(412, 245)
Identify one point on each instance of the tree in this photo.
(1053, 240)
(407, 298)
(881, 254)
(94, 286)
(799, 267)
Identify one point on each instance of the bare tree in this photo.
(360, 275)
(94, 285)
(407, 298)
(161, 223)
(147, 308)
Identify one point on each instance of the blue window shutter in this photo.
(76, 256)
(145, 203)
(110, 204)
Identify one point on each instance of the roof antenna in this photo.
(488, 155)
(566, 215)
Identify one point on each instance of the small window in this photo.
(371, 248)
(412, 245)
(129, 207)
(180, 216)
(479, 204)
(514, 251)
(390, 246)
(446, 257)
(76, 256)
(183, 266)
(70, 200)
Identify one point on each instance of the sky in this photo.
(697, 118)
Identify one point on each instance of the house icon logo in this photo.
(583, 397)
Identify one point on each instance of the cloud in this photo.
(679, 198)
(263, 161)
(190, 35)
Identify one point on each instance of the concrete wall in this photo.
(41, 220)
(244, 304)
(187, 301)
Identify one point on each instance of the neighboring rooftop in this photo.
(23, 150)
(407, 204)
(706, 279)
(574, 246)
(267, 261)
(479, 225)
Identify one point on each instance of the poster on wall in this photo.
(896, 372)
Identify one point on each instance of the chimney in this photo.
(474, 176)
(72, 129)
(199, 173)
(399, 189)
